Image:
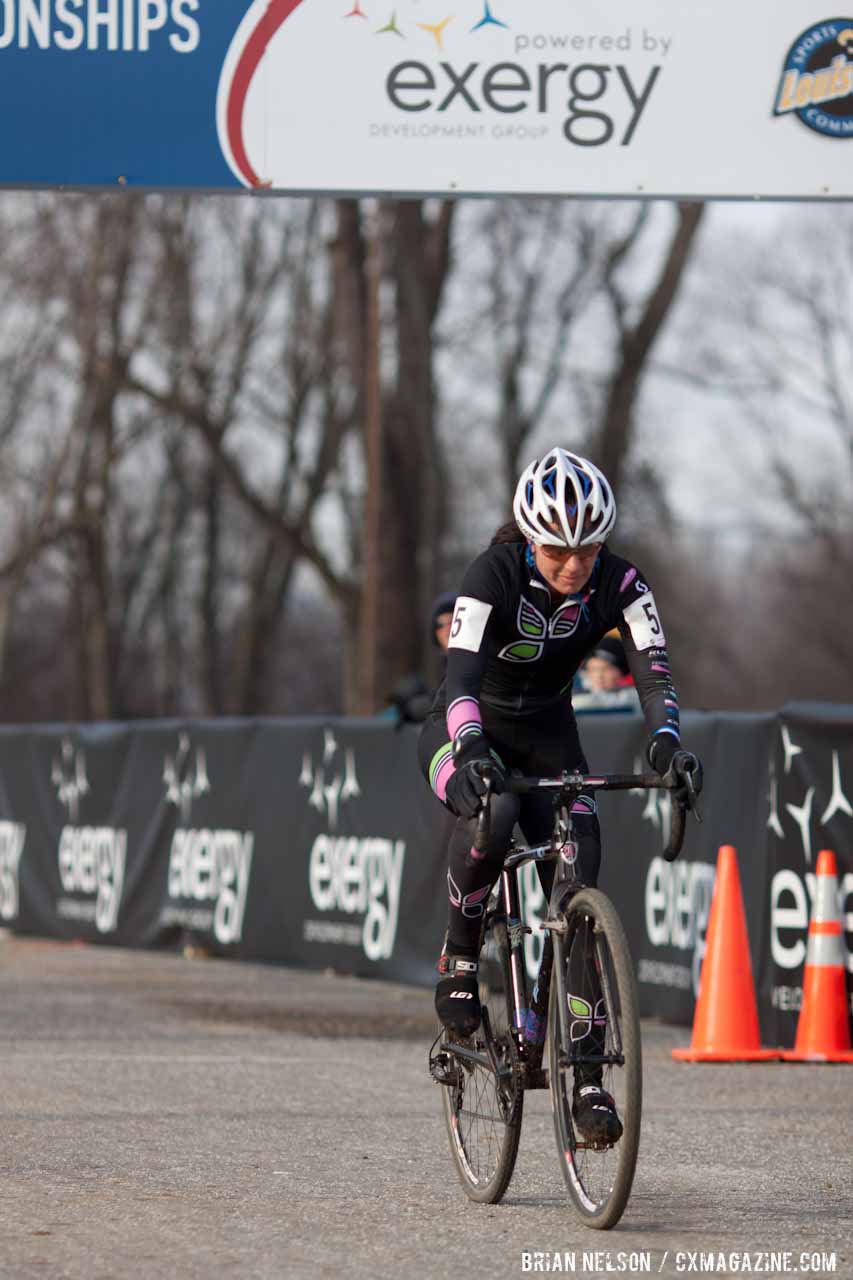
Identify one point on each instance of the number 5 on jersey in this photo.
(469, 624)
(644, 622)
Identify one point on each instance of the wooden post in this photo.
(369, 638)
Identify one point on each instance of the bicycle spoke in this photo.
(602, 1049)
(484, 1110)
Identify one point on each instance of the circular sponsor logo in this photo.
(817, 78)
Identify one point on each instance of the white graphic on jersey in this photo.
(469, 624)
(533, 629)
(644, 622)
(790, 748)
(565, 621)
(802, 816)
(773, 797)
(838, 802)
(531, 623)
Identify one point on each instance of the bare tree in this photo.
(184, 433)
(570, 302)
(256, 382)
(409, 492)
(177, 326)
(775, 350)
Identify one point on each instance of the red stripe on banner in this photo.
(275, 14)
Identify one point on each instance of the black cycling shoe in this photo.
(594, 1113)
(457, 995)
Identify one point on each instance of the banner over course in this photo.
(430, 96)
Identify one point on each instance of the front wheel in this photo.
(594, 1036)
(483, 1100)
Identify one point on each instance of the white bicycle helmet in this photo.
(569, 493)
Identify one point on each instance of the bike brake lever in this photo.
(481, 835)
(693, 799)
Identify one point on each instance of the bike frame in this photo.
(585, 940)
(562, 849)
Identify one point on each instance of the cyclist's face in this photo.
(566, 569)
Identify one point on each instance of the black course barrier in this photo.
(317, 843)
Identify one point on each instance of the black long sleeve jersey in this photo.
(514, 649)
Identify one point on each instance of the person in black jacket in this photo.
(604, 681)
(412, 697)
(530, 609)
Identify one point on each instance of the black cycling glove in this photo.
(668, 758)
(465, 786)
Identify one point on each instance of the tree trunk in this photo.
(614, 433)
(414, 492)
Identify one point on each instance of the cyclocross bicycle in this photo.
(585, 949)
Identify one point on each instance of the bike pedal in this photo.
(595, 1146)
(443, 1070)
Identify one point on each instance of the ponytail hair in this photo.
(508, 532)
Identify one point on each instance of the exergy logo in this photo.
(792, 892)
(91, 859)
(816, 84)
(477, 70)
(677, 905)
(209, 869)
(603, 102)
(355, 876)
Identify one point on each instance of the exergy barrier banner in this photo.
(317, 843)
(636, 97)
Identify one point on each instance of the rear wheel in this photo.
(599, 1039)
(483, 1101)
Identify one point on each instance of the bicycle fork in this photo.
(570, 1048)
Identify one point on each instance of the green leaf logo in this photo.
(521, 651)
(530, 621)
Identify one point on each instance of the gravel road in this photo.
(165, 1116)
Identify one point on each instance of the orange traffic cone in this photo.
(725, 1026)
(823, 1027)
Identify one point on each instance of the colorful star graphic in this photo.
(436, 29)
(488, 19)
(391, 25)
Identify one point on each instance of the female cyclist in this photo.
(530, 609)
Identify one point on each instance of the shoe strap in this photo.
(602, 1096)
(457, 966)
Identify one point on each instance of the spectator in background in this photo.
(411, 700)
(604, 680)
(441, 618)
